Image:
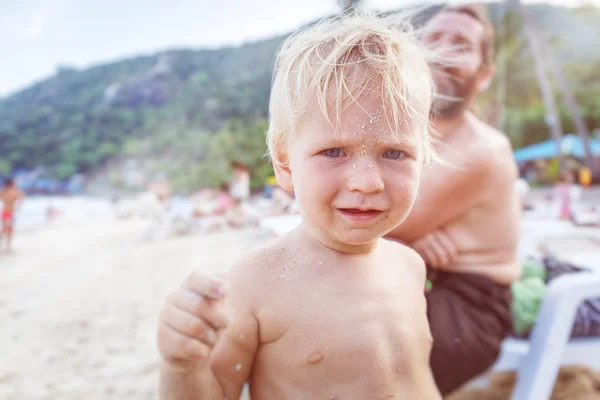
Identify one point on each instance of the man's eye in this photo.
(394, 154)
(333, 153)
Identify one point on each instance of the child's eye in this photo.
(394, 154)
(333, 153)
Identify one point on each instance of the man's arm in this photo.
(231, 359)
(436, 248)
(449, 192)
(491, 173)
(229, 369)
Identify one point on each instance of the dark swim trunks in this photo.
(469, 317)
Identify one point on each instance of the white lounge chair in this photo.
(538, 360)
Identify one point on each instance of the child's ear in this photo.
(486, 75)
(283, 174)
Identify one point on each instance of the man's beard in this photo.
(453, 95)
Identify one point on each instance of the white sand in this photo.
(79, 302)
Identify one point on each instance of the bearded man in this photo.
(466, 221)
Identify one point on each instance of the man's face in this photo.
(459, 36)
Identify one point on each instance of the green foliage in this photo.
(208, 164)
(170, 111)
(515, 88)
(5, 167)
(187, 114)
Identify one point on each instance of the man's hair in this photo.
(10, 182)
(480, 13)
(343, 60)
(235, 164)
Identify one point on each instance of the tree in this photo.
(542, 79)
(571, 103)
(508, 44)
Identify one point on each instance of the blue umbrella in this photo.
(571, 145)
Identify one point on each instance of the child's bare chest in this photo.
(363, 338)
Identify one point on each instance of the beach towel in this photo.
(587, 320)
(528, 294)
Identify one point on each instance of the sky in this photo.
(36, 36)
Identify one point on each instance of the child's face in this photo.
(357, 183)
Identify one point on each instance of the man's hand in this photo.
(191, 322)
(436, 248)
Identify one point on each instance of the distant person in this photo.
(162, 190)
(224, 200)
(239, 188)
(51, 213)
(563, 192)
(282, 200)
(10, 195)
(330, 310)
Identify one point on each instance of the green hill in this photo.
(186, 113)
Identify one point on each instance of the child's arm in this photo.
(233, 356)
(201, 359)
(188, 385)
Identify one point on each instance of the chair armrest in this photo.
(551, 333)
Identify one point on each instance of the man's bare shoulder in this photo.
(492, 151)
(407, 256)
(489, 141)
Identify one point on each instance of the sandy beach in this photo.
(80, 296)
(79, 301)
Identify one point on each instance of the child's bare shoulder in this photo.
(256, 269)
(407, 256)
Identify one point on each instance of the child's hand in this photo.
(191, 321)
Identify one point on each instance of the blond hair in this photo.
(340, 59)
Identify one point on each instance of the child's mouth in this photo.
(359, 215)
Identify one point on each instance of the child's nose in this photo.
(366, 180)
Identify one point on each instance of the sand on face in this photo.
(79, 302)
